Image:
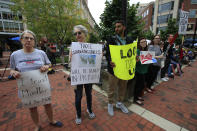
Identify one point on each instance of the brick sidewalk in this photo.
(15, 118)
(176, 100)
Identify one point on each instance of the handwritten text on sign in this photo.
(85, 63)
(124, 57)
(34, 88)
(183, 22)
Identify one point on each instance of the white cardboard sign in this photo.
(147, 57)
(85, 63)
(183, 22)
(34, 88)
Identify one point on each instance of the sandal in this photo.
(138, 102)
(149, 90)
(39, 129)
(57, 124)
(140, 98)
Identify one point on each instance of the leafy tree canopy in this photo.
(172, 28)
(113, 12)
(51, 18)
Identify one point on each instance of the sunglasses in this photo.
(79, 33)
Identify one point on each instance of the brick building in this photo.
(147, 14)
(156, 14)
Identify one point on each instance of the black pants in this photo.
(52, 58)
(165, 68)
(152, 74)
(78, 97)
(139, 86)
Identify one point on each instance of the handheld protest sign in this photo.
(34, 88)
(85, 63)
(147, 57)
(124, 57)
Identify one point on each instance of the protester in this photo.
(43, 44)
(62, 56)
(114, 82)
(175, 62)
(167, 50)
(50, 51)
(26, 59)
(81, 33)
(140, 73)
(155, 67)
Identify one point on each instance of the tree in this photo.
(51, 18)
(93, 38)
(113, 12)
(172, 28)
(149, 35)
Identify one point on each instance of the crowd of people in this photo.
(145, 74)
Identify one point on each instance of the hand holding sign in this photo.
(15, 74)
(112, 64)
(125, 60)
(34, 88)
(44, 68)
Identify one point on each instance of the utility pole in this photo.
(124, 13)
(194, 34)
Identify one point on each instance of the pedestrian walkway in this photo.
(175, 101)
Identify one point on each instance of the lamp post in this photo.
(194, 34)
(124, 12)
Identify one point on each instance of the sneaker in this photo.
(91, 115)
(110, 110)
(122, 107)
(78, 120)
(164, 79)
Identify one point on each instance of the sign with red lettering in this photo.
(147, 57)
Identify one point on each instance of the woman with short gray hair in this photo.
(27, 59)
(80, 32)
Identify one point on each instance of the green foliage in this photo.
(58, 60)
(93, 38)
(113, 12)
(149, 35)
(172, 28)
(51, 18)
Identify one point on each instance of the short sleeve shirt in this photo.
(23, 62)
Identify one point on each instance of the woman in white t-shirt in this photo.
(27, 59)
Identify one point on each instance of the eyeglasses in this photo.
(143, 41)
(157, 38)
(79, 33)
(28, 38)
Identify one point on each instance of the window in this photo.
(193, 1)
(5, 6)
(1, 26)
(163, 19)
(161, 28)
(21, 26)
(192, 13)
(166, 7)
(190, 27)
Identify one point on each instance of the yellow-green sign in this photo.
(124, 57)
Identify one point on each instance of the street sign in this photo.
(183, 22)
